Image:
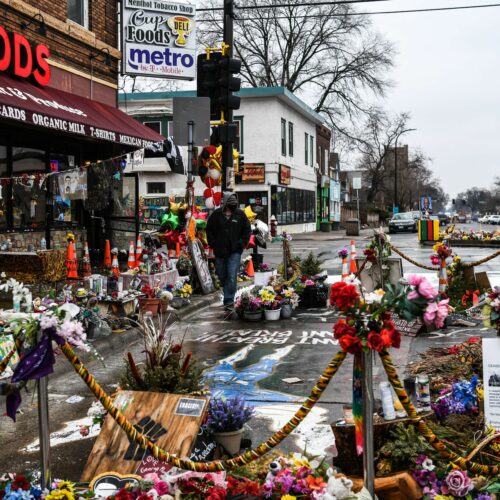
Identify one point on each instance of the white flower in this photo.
(428, 465)
(3, 275)
(374, 297)
(352, 280)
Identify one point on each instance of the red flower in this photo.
(20, 483)
(341, 328)
(454, 349)
(144, 496)
(216, 493)
(375, 341)
(396, 338)
(386, 337)
(334, 291)
(474, 340)
(343, 296)
(176, 348)
(123, 494)
(350, 344)
(315, 483)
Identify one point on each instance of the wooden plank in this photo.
(469, 276)
(162, 417)
(483, 281)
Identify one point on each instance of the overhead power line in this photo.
(385, 12)
(274, 6)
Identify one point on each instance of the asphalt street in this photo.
(251, 359)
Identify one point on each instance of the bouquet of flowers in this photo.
(289, 296)
(441, 252)
(183, 289)
(491, 311)
(368, 324)
(270, 299)
(264, 268)
(226, 415)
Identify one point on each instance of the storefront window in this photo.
(28, 191)
(293, 206)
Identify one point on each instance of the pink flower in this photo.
(435, 260)
(152, 476)
(430, 313)
(161, 488)
(442, 313)
(422, 286)
(457, 483)
(84, 430)
(414, 279)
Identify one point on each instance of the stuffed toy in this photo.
(338, 488)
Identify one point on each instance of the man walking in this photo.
(228, 233)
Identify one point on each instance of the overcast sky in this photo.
(447, 75)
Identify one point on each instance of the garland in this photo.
(216, 465)
(423, 428)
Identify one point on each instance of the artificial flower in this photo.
(288, 497)
(422, 288)
(341, 328)
(60, 495)
(351, 344)
(375, 341)
(457, 483)
(315, 483)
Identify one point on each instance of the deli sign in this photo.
(23, 59)
(159, 39)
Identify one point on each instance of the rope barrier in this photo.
(411, 261)
(216, 465)
(423, 428)
(431, 268)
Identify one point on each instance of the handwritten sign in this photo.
(204, 446)
(151, 465)
(199, 262)
(408, 328)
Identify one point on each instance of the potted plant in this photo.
(182, 291)
(226, 418)
(150, 303)
(271, 303)
(253, 309)
(314, 294)
(289, 301)
(263, 274)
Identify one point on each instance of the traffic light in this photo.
(227, 68)
(207, 81)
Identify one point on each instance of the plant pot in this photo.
(230, 441)
(286, 311)
(252, 315)
(164, 306)
(177, 302)
(262, 278)
(272, 315)
(149, 305)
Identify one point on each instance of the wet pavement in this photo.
(250, 359)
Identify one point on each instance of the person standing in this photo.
(228, 233)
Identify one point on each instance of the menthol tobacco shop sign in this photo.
(159, 39)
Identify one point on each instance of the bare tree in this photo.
(326, 52)
(377, 138)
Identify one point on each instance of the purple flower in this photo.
(286, 479)
(343, 253)
(484, 496)
(300, 487)
(457, 483)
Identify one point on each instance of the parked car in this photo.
(494, 219)
(443, 219)
(403, 222)
(483, 219)
(416, 214)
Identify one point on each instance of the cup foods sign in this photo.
(159, 39)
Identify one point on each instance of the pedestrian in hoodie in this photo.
(228, 233)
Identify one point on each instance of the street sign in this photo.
(356, 182)
(196, 110)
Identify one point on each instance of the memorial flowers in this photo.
(368, 324)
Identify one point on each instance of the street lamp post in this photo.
(396, 166)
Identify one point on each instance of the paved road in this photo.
(241, 358)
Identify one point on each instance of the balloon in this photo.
(250, 213)
(210, 183)
(182, 239)
(214, 173)
(217, 198)
(209, 202)
(202, 215)
(201, 224)
(174, 207)
(251, 242)
(170, 220)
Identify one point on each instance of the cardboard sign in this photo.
(151, 465)
(408, 328)
(6, 345)
(491, 380)
(201, 266)
(153, 414)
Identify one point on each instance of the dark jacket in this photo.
(227, 236)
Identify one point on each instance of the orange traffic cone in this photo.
(345, 273)
(115, 267)
(71, 266)
(353, 269)
(107, 254)
(86, 267)
(138, 250)
(131, 256)
(177, 250)
(250, 270)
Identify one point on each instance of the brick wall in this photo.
(69, 43)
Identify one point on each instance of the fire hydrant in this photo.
(274, 226)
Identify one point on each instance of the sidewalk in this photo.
(332, 236)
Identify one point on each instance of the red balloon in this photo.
(207, 193)
(210, 183)
(217, 198)
(202, 215)
(182, 239)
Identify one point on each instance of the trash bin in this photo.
(325, 227)
(352, 227)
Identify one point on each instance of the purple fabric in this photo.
(36, 364)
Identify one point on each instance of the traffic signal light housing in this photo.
(228, 67)
(207, 81)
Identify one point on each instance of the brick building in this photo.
(58, 112)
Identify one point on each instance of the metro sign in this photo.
(23, 59)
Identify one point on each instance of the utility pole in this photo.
(227, 147)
